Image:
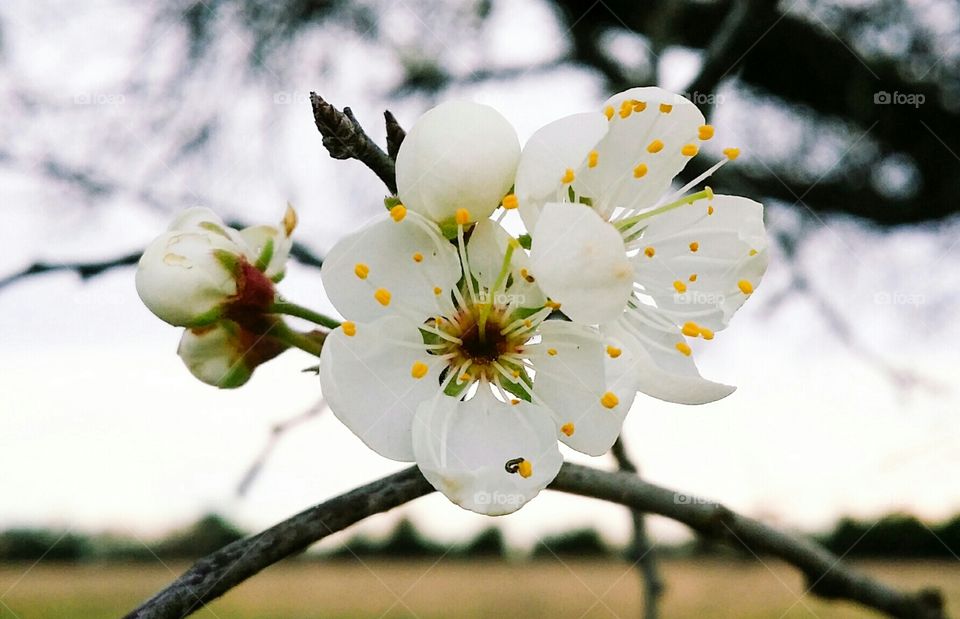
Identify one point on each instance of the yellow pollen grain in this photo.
(382, 295)
(731, 153)
(552, 352)
(464, 378)
(693, 277)
(690, 329)
(689, 150)
(614, 352)
(592, 159)
(516, 373)
(694, 246)
(568, 176)
(679, 286)
(706, 333)
(418, 257)
(437, 290)
(609, 400)
(510, 202)
(626, 108)
(528, 323)
(640, 171)
(639, 106)
(666, 108)
(462, 217)
(349, 328)
(525, 468)
(710, 210)
(745, 286)
(514, 401)
(705, 132)
(684, 348)
(398, 212)
(649, 252)
(753, 252)
(568, 428)
(552, 304)
(419, 369)
(608, 112)
(655, 146)
(361, 270)
(524, 273)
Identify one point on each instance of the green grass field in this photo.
(696, 589)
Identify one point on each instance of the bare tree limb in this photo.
(641, 551)
(344, 138)
(395, 134)
(828, 577)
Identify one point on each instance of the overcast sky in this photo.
(102, 428)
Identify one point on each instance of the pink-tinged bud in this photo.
(224, 354)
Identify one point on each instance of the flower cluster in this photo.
(463, 352)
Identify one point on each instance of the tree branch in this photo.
(641, 551)
(214, 575)
(344, 138)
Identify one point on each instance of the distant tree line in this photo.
(896, 536)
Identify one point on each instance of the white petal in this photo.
(181, 281)
(462, 448)
(191, 218)
(486, 250)
(367, 381)
(573, 375)
(580, 261)
(561, 145)
(659, 369)
(731, 247)
(215, 354)
(458, 155)
(388, 248)
(256, 239)
(612, 182)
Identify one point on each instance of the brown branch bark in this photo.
(829, 578)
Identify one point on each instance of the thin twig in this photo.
(344, 138)
(395, 134)
(827, 576)
(641, 551)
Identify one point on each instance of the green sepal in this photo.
(571, 194)
(456, 389)
(266, 255)
(586, 201)
(391, 201)
(514, 387)
(216, 229)
(228, 260)
(525, 240)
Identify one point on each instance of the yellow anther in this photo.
(515, 373)
(567, 428)
(609, 399)
(437, 290)
(361, 270)
(464, 377)
(568, 176)
(592, 159)
(639, 106)
(753, 252)
(706, 333)
(614, 352)
(679, 286)
(693, 277)
(528, 323)
(710, 210)
(655, 146)
(398, 212)
(418, 257)
(462, 217)
(626, 108)
(649, 252)
(552, 352)
(382, 295)
(666, 108)
(289, 220)
(705, 132)
(694, 246)
(690, 329)
(525, 468)
(684, 348)
(552, 304)
(349, 328)
(419, 369)
(640, 171)
(514, 401)
(689, 150)
(709, 191)
(608, 112)
(510, 202)
(745, 286)
(731, 153)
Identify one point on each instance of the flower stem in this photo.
(292, 309)
(303, 341)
